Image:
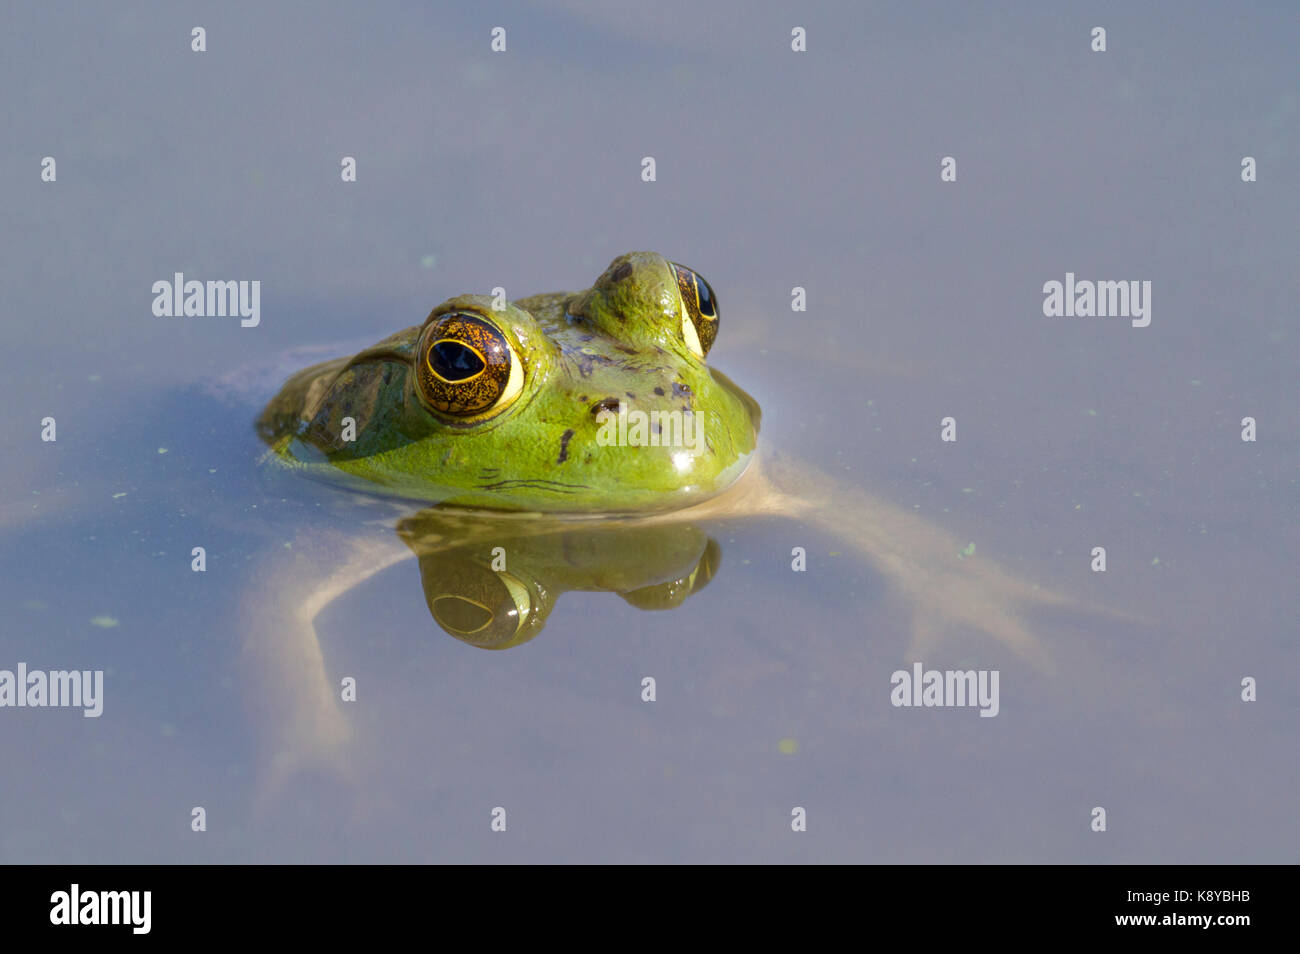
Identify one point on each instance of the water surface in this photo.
(775, 170)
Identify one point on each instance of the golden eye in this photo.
(466, 367)
(699, 309)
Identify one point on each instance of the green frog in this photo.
(599, 401)
(511, 410)
(516, 420)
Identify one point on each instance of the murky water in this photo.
(775, 169)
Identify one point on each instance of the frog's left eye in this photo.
(466, 367)
(699, 309)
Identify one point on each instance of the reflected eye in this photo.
(485, 609)
(467, 367)
(460, 615)
(699, 309)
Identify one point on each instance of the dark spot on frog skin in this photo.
(631, 395)
(624, 348)
(659, 391)
(564, 446)
(681, 390)
(582, 398)
(620, 273)
(606, 404)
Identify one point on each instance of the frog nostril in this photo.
(606, 404)
(622, 272)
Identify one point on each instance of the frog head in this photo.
(599, 401)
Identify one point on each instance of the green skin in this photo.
(620, 340)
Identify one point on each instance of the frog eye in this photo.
(466, 367)
(491, 610)
(699, 309)
(489, 614)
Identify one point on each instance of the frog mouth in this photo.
(535, 483)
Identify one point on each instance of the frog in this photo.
(524, 405)
(492, 413)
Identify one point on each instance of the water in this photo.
(775, 169)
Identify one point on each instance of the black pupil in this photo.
(454, 362)
(707, 305)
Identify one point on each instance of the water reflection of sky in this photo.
(775, 170)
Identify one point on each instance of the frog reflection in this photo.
(493, 583)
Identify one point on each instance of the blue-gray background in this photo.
(775, 169)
